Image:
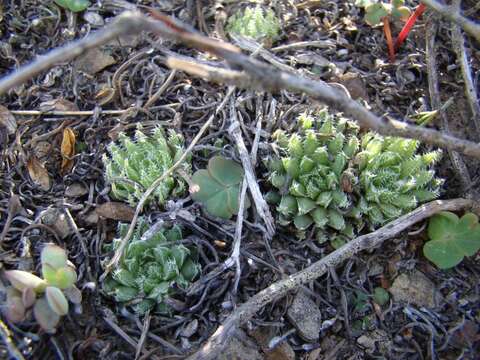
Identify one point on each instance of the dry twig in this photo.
(279, 289)
(470, 91)
(433, 88)
(454, 15)
(256, 74)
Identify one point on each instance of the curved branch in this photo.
(279, 289)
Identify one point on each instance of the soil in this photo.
(121, 77)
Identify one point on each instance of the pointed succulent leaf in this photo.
(124, 293)
(56, 300)
(189, 270)
(273, 197)
(278, 179)
(305, 205)
(324, 199)
(320, 217)
(21, 280)
(336, 220)
(303, 222)
(45, 316)
(297, 189)
(54, 256)
(288, 205)
(452, 238)
(291, 166)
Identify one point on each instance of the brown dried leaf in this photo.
(38, 173)
(58, 105)
(94, 61)
(7, 120)
(67, 150)
(116, 211)
(105, 95)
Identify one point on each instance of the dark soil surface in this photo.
(121, 77)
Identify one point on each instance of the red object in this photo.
(388, 36)
(409, 24)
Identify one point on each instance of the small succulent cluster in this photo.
(134, 165)
(330, 176)
(57, 285)
(255, 22)
(151, 268)
(218, 187)
(376, 11)
(451, 238)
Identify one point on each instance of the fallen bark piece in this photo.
(305, 316)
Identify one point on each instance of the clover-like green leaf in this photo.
(451, 238)
(219, 186)
(14, 308)
(45, 316)
(62, 278)
(375, 13)
(73, 5)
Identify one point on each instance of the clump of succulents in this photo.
(47, 296)
(151, 268)
(330, 178)
(134, 165)
(255, 22)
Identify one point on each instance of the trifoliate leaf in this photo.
(451, 238)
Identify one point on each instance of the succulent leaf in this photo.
(142, 162)
(340, 181)
(150, 270)
(56, 300)
(256, 23)
(22, 280)
(54, 256)
(45, 316)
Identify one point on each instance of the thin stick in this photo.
(260, 203)
(143, 337)
(447, 12)
(123, 243)
(279, 289)
(161, 90)
(470, 91)
(238, 237)
(433, 88)
(255, 72)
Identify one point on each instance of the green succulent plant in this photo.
(329, 177)
(149, 270)
(256, 23)
(57, 285)
(74, 5)
(143, 161)
(451, 238)
(218, 187)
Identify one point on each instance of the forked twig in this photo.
(279, 289)
(254, 73)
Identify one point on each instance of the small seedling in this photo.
(256, 23)
(378, 12)
(218, 187)
(57, 285)
(451, 238)
(73, 5)
(380, 296)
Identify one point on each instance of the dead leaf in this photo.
(94, 61)
(58, 105)
(7, 120)
(105, 95)
(116, 211)
(67, 150)
(38, 173)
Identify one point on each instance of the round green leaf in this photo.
(54, 256)
(226, 172)
(208, 187)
